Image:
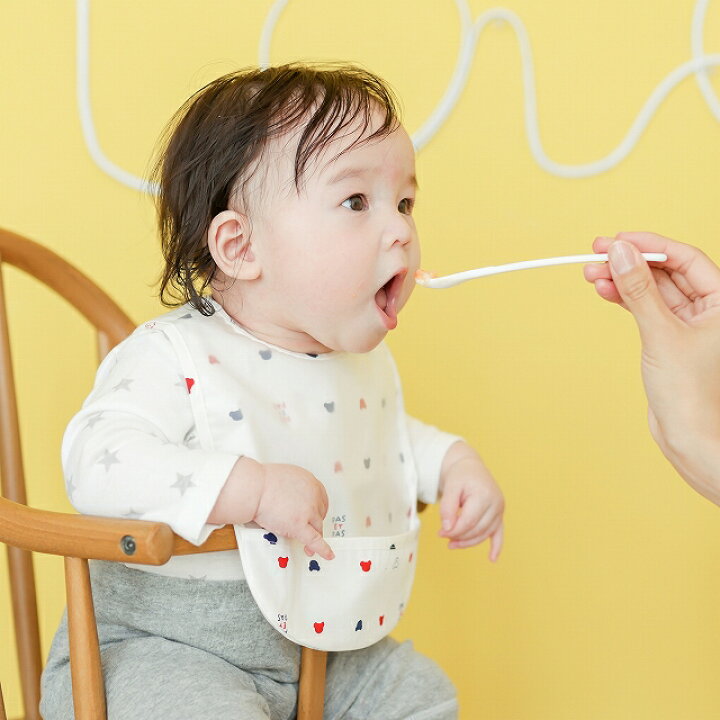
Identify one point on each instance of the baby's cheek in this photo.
(339, 291)
(408, 289)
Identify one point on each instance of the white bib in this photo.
(341, 417)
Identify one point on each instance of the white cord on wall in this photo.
(85, 107)
(696, 41)
(470, 34)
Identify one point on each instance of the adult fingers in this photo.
(702, 274)
(599, 274)
(676, 292)
(643, 241)
(638, 289)
(674, 277)
(596, 271)
(607, 291)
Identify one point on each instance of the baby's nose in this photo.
(400, 231)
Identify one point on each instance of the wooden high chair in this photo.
(81, 537)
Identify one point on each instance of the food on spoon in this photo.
(422, 276)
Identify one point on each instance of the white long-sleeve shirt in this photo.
(176, 404)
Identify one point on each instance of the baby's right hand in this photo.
(293, 503)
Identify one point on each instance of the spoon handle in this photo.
(447, 281)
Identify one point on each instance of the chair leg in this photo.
(86, 669)
(311, 693)
(87, 681)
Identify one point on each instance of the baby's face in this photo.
(339, 256)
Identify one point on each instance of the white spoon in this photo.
(427, 280)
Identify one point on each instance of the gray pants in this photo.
(177, 649)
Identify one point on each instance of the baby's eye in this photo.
(405, 206)
(355, 203)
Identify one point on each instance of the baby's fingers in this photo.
(315, 543)
(469, 542)
(449, 505)
(470, 513)
(481, 531)
(496, 543)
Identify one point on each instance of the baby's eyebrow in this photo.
(349, 173)
(357, 172)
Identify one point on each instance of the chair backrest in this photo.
(112, 325)
(153, 543)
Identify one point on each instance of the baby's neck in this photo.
(267, 331)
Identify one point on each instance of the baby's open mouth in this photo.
(387, 298)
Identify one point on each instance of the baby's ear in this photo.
(229, 244)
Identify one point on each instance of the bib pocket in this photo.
(347, 603)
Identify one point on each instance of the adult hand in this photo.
(676, 305)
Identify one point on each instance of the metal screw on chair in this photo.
(128, 545)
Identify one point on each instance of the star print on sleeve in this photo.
(108, 459)
(134, 446)
(70, 488)
(182, 483)
(190, 439)
(94, 419)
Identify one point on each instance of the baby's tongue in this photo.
(391, 308)
(381, 298)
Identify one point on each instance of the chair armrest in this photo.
(102, 538)
(85, 536)
(221, 539)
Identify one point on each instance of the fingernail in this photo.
(622, 258)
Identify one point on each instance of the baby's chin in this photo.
(356, 342)
(366, 347)
(368, 341)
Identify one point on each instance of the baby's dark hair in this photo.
(215, 139)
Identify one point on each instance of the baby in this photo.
(268, 400)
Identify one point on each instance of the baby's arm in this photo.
(132, 451)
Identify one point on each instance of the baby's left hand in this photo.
(472, 505)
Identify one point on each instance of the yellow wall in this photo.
(604, 603)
